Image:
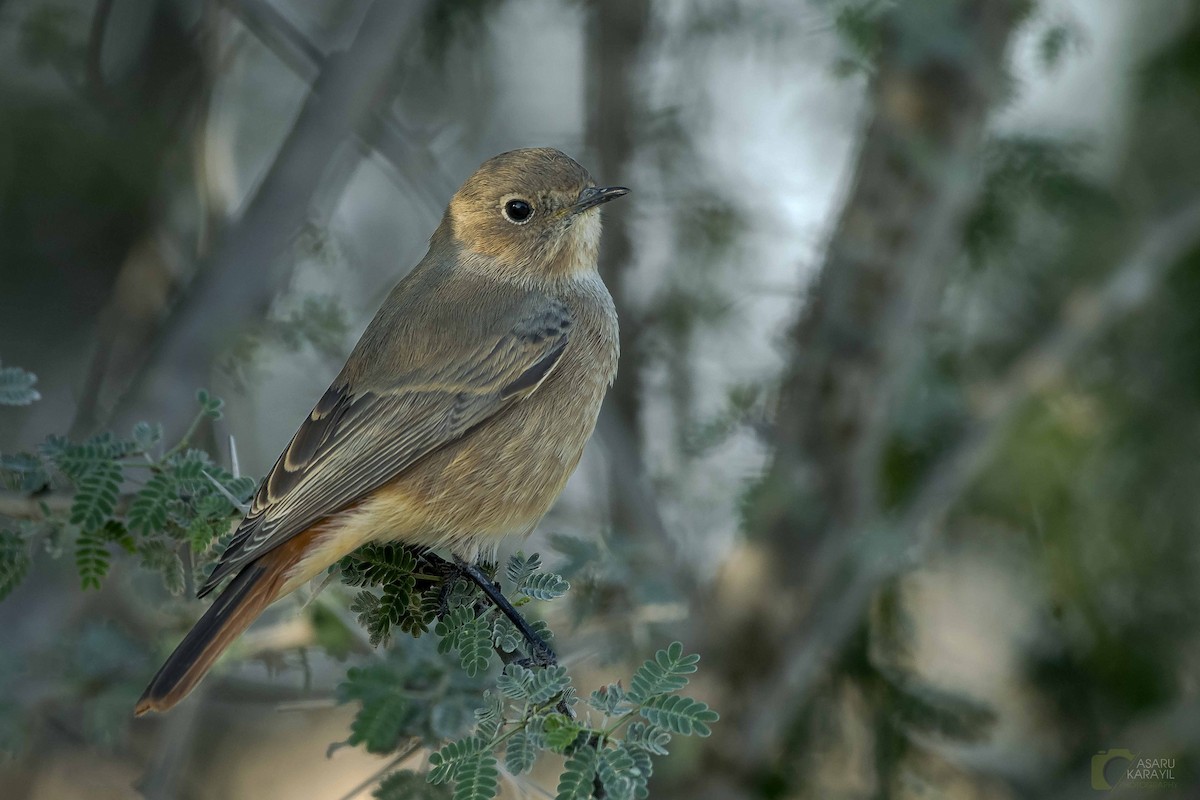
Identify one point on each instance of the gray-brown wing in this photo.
(355, 441)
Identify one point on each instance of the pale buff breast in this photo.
(502, 477)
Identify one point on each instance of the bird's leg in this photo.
(451, 574)
(543, 656)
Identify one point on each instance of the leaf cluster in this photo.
(608, 751)
(16, 387)
(127, 494)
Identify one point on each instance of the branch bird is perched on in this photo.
(459, 415)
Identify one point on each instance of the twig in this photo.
(380, 773)
(277, 32)
(228, 495)
(24, 506)
(540, 650)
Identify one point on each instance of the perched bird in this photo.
(459, 415)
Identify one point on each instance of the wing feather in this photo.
(354, 441)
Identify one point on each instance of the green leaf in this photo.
(505, 635)
(560, 731)
(681, 715)
(519, 753)
(16, 387)
(147, 436)
(148, 511)
(377, 564)
(115, 531)
(399, 604)
(620, 774)
(516, 682)
(91, 558)
(666, 672)
(547, 684)
(644, 767)
(490, 716)
(520, 568)
(204, 529)
(578, 774)
(542, 629)
(210, 406)
(449, 628)
(650, 738)
(14, 561)
(241, 487)
(471, 636)
(478, 778)
(97, 479)
(446, 763)
(380, 723)
(475, 647)
(159, 557)
(545, 586)
(579, 552)
(27, 469)
(386, 712)
(371, 616)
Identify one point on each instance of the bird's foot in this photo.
(540, 653)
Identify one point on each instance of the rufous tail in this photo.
(246, 597)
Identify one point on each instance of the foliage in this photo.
(175, 507)
(175, 499)
(16, 387)
(529, 708)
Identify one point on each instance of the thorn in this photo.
(234, 467)
(328, 579)
(228, 495)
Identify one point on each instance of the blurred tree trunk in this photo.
(886, 263)
(615, 33)
(235, 283)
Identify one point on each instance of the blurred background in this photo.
(905, 436)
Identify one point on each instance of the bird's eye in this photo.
(518, 211)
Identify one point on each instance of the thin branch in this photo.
(16, 505)
(276, 31)
(379, 774)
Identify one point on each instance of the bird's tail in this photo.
(254, 588)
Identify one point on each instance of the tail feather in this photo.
(246, 597)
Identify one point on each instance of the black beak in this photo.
(595, 195)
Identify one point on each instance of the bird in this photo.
(458, 416)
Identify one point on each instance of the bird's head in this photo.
(530, 213)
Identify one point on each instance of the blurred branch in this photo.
(615, 30)
(235, 282)
(886, 263)
(276, 31)
(861, 560)
(408, 155)
(1086, 315)
(23, 506)
(615, 33)
(95, 54)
